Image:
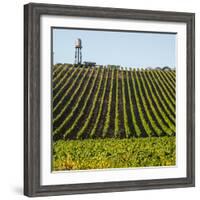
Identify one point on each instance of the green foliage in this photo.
(161, 87)
(128, 131)
(147, 74)
(74, 107)
(139, 107)
(70, 88)
(117, 105)
(137, 129)
(157, 102)
(114, 153)
(168, 84)
(158, 118)
(153, 123)
(58, 71)
(154, 94)
(172, 76)
(84, 106)
(170, 81)
(92, 134)
(81, 131)
(107, 120)
(152, 90)
(71, 98)
(60, 80)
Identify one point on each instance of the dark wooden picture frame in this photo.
(32, 14)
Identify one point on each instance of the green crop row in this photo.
(172, 75)
(56, 70)
(155, 113)
(171, 128)
(81, 113)
(139, 107)
(114, 153)
(94, 129)
(117, 105)
(163, 92)
(157, 130)
(163, 85)
(74, 108)
(107, 120)
(159, 96)
(69, 89)
(128, 131)
(58, 75)
(170, 81)
(137, 129)
(94, 104)
(146, 93)
(169, 85)
(61, 80)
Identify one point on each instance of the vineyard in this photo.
(97, 102)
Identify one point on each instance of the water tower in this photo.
(78, 53)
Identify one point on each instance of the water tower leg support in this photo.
(80, 56)
(75, 56)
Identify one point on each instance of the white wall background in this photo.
(11, 100)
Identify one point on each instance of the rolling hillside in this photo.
(112, 103)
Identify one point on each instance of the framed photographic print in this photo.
(109, 99)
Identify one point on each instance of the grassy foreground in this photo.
(114, 153)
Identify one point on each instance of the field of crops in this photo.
(114, 153)
(94, 103)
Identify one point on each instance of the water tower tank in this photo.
(78, 43)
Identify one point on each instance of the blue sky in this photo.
(128, 49)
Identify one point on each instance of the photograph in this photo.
(109, 99)
(113, 99)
